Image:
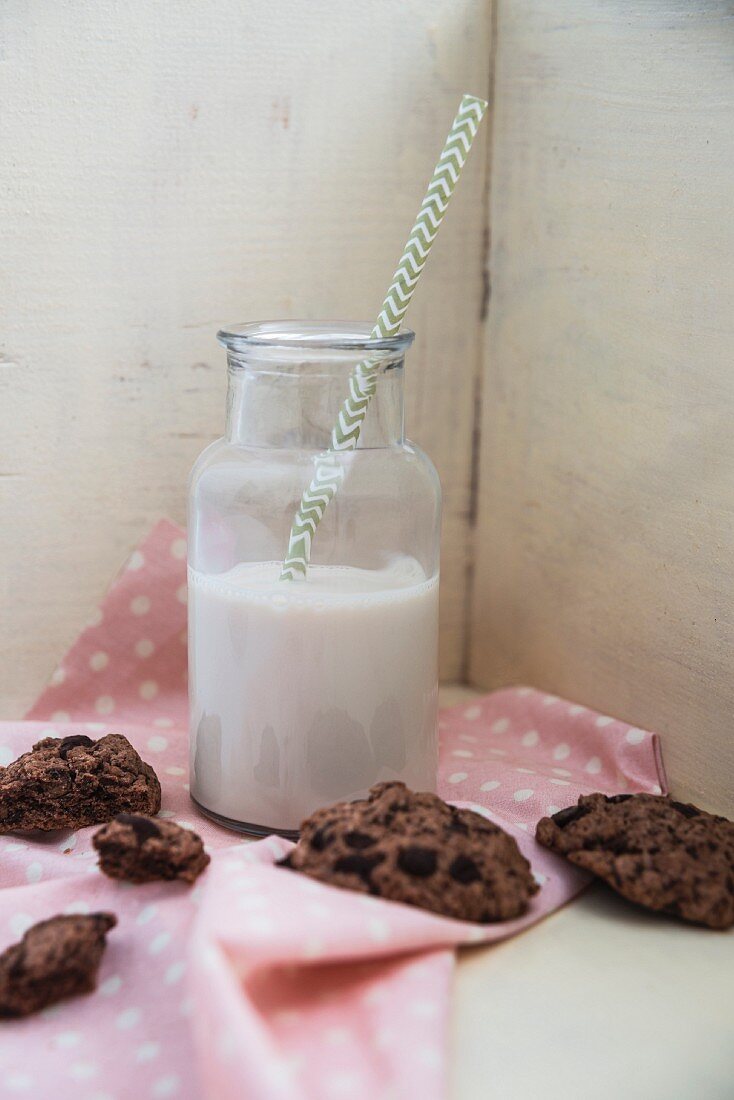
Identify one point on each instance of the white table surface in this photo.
(600, 1000)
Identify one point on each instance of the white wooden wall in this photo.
(165, 168)
(605, 545)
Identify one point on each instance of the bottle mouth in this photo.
(270, 339)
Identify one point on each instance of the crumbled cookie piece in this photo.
(55, 959)
(664, 855)
(417, 849)
(66, 783)
(139, 849)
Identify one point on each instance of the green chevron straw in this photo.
(363, 382)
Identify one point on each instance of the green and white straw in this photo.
(363, 382)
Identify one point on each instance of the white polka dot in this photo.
(549, 700)
(175, 972)
(550, 810)
(490, 785)
(98, 661)
(104, 705)
(159, 943)
(18, 1082)
(34, 872)
(560, 782)
(129, 1018)
(656, 789)
(58, 677)
(136, 561)
(575, 709)
(634, 736)
(498, 752)
(163, 723)
(157, 743)
(146, 914)
(186, 1007)
(526, 771)
(82, 1071)
(188, 825)
(462, 752)
(530, 739)
(500, 725)
(147, 1052)
(67, 1039)
(378, 929)
(140, 605)
(166, 813)
(174, 769)
(178, 548)
(165, 1086)
(95, 618)
(20, 923)
(563, 772)
(562, 751)
(468, 737)
(144, 648)
(472, 713)
(76, 907)
(523, 795)
(182, 594)
(521, 825)
(540, 878)
(110, 986)
(458, 777)
(148, 690)
(594, 766)
(6, 755)
(603, 720)
(95, 727)
(60, 716)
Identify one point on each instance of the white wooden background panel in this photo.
(168, 167)
(606, 515)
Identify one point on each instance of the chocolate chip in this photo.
(569, 815)
(73, 742)
(686, 809)
(320, 840)
(355, 839)
(464, 870)
(143, 827)
(417, 861)
(357, 865)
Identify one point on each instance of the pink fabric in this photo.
(246, 958)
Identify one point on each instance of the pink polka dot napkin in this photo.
(258, 983)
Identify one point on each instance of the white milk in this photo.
(306, 692)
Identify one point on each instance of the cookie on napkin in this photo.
(70, 782)
(667, 856)
(138, 849)
(55, 959)
(417, 849)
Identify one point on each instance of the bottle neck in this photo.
(295, 406)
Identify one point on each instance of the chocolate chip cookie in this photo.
(416, 849)
(56, 958)
(667, 856)
(139, 849)
(66, 783)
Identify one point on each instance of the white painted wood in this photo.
(168, 167)
(605, 543)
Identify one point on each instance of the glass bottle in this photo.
(308, 691)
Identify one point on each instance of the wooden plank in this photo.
(606, 526)
(167, 170)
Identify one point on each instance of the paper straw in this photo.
(363, 382)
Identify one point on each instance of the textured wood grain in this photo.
(605, 543)
(169, 167)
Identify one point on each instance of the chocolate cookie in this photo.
(140, 849)
(417, 849)
(66, 783)
(665, 855)
(56, 958)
